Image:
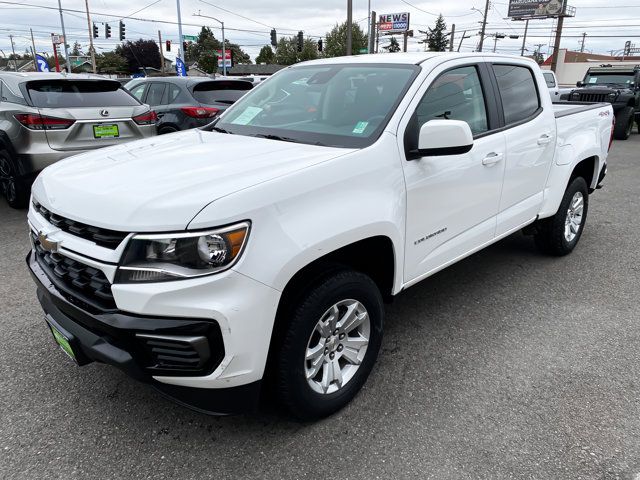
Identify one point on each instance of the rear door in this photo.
(530, 131)
(452, 200)
(101, 111)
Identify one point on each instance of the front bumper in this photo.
(121, 340)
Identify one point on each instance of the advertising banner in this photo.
(534, 8)
(393, 22)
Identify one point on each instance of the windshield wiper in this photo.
(269, 136)
(221, 130)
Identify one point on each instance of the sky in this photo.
(248, 22)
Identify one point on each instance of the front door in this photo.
(453, 200)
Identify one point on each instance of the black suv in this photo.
(617, 85)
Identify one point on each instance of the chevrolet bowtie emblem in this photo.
(47, 244)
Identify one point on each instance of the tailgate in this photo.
(101, 111)
(94, 127)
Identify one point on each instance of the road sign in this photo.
(363, 50)
(57, 39)
(190, 38)
(393, 22)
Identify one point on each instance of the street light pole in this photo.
(224, 48)
(64, 35)
(349, 25)
(180, 42)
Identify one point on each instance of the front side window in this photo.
(518, 92)
(343, 105)
(138, 91)
(455, 95)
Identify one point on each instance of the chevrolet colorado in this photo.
(261, 249)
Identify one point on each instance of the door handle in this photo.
(545, 139)
(492, 159)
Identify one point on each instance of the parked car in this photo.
(45, 117)
(264, 255)
(187, 102)
(552, 85)
(618, 85)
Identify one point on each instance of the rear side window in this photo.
(518, 92)
(155, 93)
(221, 91)
(551, 82)
(170, 94)
(78, 93)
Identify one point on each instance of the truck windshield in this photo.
(609, 78)
(335, 105)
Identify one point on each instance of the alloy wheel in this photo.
(573, 220)
(7, 179)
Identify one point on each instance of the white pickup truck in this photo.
(260, 249)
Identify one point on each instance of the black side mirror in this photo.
(580, 84)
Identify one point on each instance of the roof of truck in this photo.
(411, 58)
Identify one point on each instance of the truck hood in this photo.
(161, 183)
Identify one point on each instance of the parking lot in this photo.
(509, 364)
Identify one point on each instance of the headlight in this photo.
(162, 257)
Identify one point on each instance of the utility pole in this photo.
(556, 44)
(453, 32)
(464, 35)
(64, 35)
(495, 43)
(584, 34)
(33, 51)
(93, 53)
(405, 35)
(369, 25)
(13, 49)
(161, 54)
(180, 44)
(484, 25)
(372, 29)
(524, 39)
(349, 25)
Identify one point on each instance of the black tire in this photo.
(550, 237)
(12, 186)
(624, 124)
(292, 387)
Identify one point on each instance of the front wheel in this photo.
(624, 124)
(330, 346)
(559, 235)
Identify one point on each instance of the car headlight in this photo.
(163, 257)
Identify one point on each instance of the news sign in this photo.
(393, 22)
(534, 8)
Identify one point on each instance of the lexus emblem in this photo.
(104, 113)
(46, 244)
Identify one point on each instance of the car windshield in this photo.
(609, 78)
(78, 93)
(336, 105)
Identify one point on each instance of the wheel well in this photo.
(373, 256)
(585, 169)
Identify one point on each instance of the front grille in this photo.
(101, 236)
(593, 97)
(175, 352)
(82, 285)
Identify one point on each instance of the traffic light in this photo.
(95, 31)
(167, 45)
(121, 30)
(107, 30)
(320, 45)
(300, 41)
(274, 38)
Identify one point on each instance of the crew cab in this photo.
(618, 85)
(260, 249)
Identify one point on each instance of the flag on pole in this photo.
(41, 62)
(181, 70)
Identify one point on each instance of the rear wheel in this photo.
(330, 345)
(14, 189)
(559, 235)
(624, 124)
(164, 130)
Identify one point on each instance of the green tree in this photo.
(393, 46)
(76, 51)
(205, 51)
(266, 55)
(437, 41)
(336, 40)
(287, 52)
(111, 62)
(139, 54)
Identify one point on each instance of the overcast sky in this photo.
(619, 21)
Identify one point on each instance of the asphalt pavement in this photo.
(509, 364)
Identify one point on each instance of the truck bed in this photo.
(562, 109)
